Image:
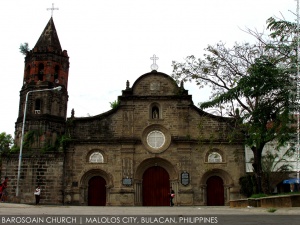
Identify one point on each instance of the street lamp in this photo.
(22, 135)
(298, 96)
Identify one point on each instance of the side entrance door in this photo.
(156, 187)
(215, 191)
(97, 191)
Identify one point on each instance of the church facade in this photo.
(154, 141)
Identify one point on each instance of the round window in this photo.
(156, 139)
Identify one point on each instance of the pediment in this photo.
(155, 83)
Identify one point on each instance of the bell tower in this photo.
(46, 67)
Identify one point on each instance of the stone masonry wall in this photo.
(46, 171)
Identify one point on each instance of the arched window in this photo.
(41, 72)
(96, 157)
(214, 157)
(37, 107)
(27, 72)
(56, 70)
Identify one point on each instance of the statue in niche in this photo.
(155, 114)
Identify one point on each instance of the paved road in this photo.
(153, 215)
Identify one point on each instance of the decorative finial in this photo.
(154, 66)
(52, 9)
(72, 113)
(127, 84)
(181, 84)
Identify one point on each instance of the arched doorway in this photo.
(215, 191)
(97, 191)
(156, 186)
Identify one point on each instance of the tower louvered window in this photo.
(41, 72)
(37, 108)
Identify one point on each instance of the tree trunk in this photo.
(257, 167)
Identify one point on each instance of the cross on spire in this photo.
(52, 9)
(154, 66)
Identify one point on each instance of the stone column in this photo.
(138, 192)
(108, 187)
(204, 194)
(228, 194)
(83, 191)
(174, 187)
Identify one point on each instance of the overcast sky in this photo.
(111, 41)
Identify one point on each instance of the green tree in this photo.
(283, 35)
(274, 168)
(252, 83)
(114, 104)
(24, 48)
(6, 142)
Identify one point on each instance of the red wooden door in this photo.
(97, 191)
(156, 186)
(215, 191)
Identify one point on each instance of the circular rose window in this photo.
(156, 139)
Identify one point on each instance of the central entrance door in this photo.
(156, 187)
(97, 191)
(215, 191)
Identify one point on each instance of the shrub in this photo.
(271, 210)
(248, 185)
(260, 195)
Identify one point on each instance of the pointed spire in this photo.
(181, 84)
(48, 40)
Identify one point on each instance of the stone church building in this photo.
(155, 140)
